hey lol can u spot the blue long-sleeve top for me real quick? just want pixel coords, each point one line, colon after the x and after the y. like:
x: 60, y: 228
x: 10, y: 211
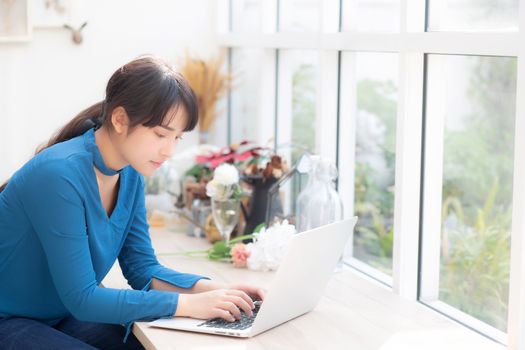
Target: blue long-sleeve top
x: 57, y: 242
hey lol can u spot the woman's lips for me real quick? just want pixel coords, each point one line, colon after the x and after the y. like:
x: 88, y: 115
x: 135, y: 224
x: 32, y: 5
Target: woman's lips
x: 156, y: 164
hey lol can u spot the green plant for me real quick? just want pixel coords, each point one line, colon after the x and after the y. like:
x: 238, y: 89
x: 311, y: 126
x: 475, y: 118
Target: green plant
x: 475, y: 259
x: 374, y: 207
x: 477, y: 192
x: 374, y: 202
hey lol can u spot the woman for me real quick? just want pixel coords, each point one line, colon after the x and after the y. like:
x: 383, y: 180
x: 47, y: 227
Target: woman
x: 78, y: 205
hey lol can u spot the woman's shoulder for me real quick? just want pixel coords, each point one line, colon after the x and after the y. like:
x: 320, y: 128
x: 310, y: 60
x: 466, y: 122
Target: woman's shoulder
x: 67, y: 159
x: 70, y: 150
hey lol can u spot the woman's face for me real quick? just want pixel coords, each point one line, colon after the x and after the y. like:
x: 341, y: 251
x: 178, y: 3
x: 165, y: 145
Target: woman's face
x: 145, y: 148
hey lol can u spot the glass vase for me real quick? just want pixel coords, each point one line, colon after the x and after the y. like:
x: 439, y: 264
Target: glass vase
x: 319, y: 203
x: 226, y: 216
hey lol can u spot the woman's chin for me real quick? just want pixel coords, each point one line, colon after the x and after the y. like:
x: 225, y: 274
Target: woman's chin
x: 145, y: 171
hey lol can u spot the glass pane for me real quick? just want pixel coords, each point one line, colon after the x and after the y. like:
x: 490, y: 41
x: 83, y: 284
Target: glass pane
x: 477, y: 98
x: 374, y: 76
x: 299, y: 15
x: 473, y: 15
x: 245, y: 95
x: 246, y: 16
x: 371, y: 15
x: 297, y: 113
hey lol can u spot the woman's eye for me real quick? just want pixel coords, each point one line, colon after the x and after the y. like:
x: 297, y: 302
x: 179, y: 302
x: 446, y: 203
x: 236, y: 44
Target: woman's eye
x: 178, y: 138
x: 159, y: 135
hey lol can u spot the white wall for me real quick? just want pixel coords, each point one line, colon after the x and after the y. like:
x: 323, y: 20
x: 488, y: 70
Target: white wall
x: 47, y: 81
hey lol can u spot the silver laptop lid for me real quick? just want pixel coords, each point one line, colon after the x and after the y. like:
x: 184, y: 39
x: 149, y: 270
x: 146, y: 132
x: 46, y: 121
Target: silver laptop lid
x: 304, y: 273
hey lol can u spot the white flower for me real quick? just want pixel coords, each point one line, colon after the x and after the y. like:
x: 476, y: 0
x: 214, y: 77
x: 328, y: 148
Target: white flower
x: 269, y: 247
x: 226, y: 174
x: 218, y: 191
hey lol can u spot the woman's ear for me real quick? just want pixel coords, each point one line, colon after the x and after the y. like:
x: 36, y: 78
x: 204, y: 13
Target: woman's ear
x: 120, y: 120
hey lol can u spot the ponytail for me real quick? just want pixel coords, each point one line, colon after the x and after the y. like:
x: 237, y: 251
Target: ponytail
x: 85, y: 120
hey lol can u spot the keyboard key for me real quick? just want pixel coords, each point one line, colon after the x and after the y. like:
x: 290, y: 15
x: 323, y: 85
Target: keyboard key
x: 243, y: 323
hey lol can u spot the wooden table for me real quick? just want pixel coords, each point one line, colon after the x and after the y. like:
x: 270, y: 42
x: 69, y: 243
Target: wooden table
x: 355, y: 313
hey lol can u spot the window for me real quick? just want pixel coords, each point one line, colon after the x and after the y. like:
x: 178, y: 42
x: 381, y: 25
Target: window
x: 296, y: 116
x: 468, y: 194
x: 369, y: 101
x: 244, y: 98
x: 246, y: 16
x: 473, y: 15
x: 370, y: 15
x: 418, y: 102
x: 299, y: 15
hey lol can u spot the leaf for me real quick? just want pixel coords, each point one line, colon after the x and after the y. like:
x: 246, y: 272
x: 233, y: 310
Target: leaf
x: 240, y: 239
x: 219, y: 250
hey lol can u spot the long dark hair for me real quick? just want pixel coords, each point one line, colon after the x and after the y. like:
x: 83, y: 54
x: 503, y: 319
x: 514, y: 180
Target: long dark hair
x: 147, y: 88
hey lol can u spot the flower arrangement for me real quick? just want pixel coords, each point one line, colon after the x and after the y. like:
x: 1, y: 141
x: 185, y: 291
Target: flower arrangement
x: 252, y: 161
x: 274, y: 167
x: 265, y: 253
x: 236, y: 153
x: 257, y: 168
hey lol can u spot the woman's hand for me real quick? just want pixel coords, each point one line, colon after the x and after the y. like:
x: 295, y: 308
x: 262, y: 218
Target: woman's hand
x: 223, y: 303
x: 203, y: 285
x: 256, y: 293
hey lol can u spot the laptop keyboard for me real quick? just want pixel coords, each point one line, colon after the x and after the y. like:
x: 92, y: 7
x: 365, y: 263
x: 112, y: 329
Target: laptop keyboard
x: 243, y: 323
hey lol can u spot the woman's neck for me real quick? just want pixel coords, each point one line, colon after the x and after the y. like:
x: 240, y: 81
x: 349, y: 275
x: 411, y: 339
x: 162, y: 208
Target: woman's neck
x: 108, y: 150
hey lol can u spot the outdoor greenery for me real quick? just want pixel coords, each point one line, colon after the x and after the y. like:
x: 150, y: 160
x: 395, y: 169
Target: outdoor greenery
x: 476, y: 191
x: 374, y: 200
x: 303, y: 110
x: 477, y: 195
x: 303, y: 121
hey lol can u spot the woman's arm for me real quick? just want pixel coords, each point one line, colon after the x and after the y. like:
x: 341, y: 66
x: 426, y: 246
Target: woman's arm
x: 198, y: 296
x: 54, y: 206
x: 207, y: 299
x: 203, y: 285
x: 200, y: 286
x: 137, y: 258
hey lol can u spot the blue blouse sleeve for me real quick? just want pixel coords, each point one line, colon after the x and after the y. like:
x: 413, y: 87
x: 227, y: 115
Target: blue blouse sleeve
x: 56, y: 211
x: 137, y: 258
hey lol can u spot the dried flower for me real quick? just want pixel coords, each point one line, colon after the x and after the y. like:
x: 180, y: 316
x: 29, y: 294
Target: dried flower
x: 274, y: 167
x: 209, y: 81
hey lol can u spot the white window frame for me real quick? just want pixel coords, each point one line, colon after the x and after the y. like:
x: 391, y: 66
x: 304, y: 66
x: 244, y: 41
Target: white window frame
x: 412, y: 43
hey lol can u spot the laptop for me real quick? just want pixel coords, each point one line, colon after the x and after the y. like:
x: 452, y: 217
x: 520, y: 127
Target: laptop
x: 299, y: 283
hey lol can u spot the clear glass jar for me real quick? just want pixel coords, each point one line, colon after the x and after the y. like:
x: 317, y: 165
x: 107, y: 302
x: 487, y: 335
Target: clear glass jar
x: 200, y: 209
x: 319, y: 203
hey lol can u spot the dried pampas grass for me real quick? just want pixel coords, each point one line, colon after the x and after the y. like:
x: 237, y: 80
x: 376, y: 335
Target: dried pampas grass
x: 209, y: 81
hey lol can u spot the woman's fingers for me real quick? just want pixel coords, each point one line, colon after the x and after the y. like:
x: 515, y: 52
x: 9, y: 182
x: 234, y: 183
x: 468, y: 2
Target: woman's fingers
x: 261, y: 293
x: 231, y: 308
x: 241, y: 303
x: 252, y: 291
x: 224, y: 314
x: 243, y: 295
